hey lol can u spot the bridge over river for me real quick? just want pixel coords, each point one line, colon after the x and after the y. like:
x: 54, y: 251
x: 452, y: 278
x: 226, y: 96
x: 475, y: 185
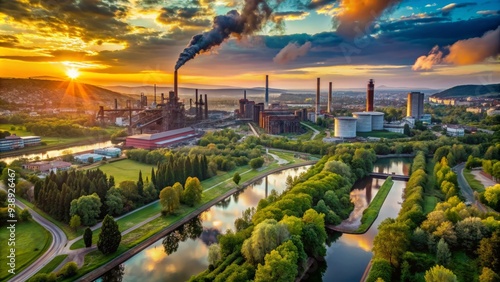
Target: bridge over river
x: 393, y: 175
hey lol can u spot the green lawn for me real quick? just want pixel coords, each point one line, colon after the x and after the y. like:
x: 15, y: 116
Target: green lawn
x: 127, y: 170
x: 19, y: 129
x: 381, y: 134
x: 430, y: 203
x: 49, y: 267
x: 475, y: 184
x: 287, y: 156
x: 32, y: 240
x: 371, y: 212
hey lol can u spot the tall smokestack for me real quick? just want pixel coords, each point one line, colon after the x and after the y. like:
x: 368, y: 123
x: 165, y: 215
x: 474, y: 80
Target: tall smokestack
x: 197, y: 104
x: 155, y: 93
x: 317, y: 97
x: 329, y: 108
x: 267, y: 91
x: 206, y: 107
x: 162, y: 98
x: 175, y: 84
x: 369, y: 96
x: 244, y: 94
x: 116, y: 104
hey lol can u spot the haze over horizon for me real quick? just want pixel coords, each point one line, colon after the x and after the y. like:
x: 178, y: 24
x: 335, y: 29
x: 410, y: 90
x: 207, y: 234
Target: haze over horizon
x: 407, y: 44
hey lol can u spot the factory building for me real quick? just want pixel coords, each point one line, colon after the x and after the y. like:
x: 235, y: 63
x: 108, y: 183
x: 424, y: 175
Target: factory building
x: 15, y: 142
x: 160, y: 140
x: 273, y: 118
x: 278, y: 122
x: 109, y: 152
x: 377, y: 120
x: 345, y: 127
x: 415, y: 105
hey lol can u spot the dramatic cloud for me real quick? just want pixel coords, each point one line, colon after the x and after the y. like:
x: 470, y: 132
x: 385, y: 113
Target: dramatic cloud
x: 291, y: 52
x: 488, y: 12
x: 315, y: 4
x: 254, y: 15
x: 446, y: 10
x: 356, y: 16
x: 463, y: 52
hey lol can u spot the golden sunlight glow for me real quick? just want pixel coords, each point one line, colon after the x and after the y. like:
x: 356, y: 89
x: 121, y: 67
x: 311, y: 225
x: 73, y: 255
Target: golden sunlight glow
x: 72, y: 73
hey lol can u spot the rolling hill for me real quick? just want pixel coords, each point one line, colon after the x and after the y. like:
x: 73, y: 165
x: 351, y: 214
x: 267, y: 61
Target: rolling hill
x: 56, y: 94
x: 469, y: 91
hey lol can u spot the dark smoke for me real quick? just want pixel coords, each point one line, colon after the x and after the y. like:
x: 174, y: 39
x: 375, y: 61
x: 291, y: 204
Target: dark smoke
x: 253, y: 17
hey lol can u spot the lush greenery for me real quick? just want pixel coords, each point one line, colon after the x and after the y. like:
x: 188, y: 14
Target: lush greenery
x: 447, y: 244
x: 296, y: 219
x: 110, y: 236
x: 371, y: 213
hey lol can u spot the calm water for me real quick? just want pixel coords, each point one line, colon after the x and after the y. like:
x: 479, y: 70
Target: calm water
x: 187, y: 248
x: 58, y: 153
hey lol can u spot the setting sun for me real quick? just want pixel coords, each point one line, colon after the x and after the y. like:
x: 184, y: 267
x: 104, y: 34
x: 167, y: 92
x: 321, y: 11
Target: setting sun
x: 72, y: 73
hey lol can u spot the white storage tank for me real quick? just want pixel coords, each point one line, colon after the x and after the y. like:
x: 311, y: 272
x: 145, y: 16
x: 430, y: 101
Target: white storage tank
x: 345, y: 127
x: 364, y: 123
x: 377, y: 121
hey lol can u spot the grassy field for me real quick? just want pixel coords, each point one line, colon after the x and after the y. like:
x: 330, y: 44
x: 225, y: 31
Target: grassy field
x: 430, y: 203
x: 381, y: 134
x: 127, y: 170
x: 32, y: 240
x: 49, y: 267
x: 70, y: 233
x: 371, y: 212
x: 475, y: 184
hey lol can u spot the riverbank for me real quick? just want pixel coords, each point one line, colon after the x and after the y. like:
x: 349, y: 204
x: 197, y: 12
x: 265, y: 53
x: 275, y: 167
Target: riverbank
x: 120, y: 258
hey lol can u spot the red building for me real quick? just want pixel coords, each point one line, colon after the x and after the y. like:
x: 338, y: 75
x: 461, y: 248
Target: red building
x: 160, y: 140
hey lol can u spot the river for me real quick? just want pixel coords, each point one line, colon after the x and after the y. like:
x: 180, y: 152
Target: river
x: 58, y: 153
x: 187, y: 248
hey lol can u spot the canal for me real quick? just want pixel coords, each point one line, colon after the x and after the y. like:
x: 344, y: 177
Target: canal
x: 184, y: 252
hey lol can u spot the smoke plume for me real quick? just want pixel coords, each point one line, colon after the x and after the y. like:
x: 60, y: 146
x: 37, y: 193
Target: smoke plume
x: 291, y: 52
x: 253, y: 17
x: 356, y: 16
x: 463, y: 52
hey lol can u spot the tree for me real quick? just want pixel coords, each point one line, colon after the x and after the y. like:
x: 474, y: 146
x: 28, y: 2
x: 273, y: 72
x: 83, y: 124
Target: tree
x: 114, y: 201
x: 214, y: 254
x: 236, y: 178
x: 443, y: 254
x: 75, y: 222
x: 492, y: 196
x: 266, y: 236
x: 313, y: 233
x: 280, y: 264
x: 488, y: 275
x: 391, y: 241
x: 87, y: 237
x: 178, y: 189
x: 68, y: 270
x: 110, y: 236
x: 439, y: 273
x: 469, y: 232
x: 192, y: 191
x: 169, y: 200
x: 87, y: 207
x: 256, y: 162
x: 406, y: 130
x: 489, y: 252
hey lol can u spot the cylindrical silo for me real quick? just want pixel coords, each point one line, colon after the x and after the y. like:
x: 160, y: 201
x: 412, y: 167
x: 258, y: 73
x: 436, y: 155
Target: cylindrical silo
x: 364, y: 123
x: 345, y: 127
x: 377, y: 121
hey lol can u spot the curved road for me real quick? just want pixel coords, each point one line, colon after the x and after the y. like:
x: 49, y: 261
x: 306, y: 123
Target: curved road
x: 316, y: 132
x: 58, y: 241
x: 465, y: 188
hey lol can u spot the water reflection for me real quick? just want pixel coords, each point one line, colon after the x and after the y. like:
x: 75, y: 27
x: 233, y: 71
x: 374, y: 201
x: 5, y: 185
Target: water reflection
x: 114, y: 275
x: 58, y: 153
x: 398, y: 166
x: 184, y: 252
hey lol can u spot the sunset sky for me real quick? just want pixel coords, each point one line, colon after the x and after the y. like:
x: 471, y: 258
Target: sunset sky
x: 132, y: 42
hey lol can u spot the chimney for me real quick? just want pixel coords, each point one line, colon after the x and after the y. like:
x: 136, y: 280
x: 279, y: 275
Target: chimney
x: 244, y: 94
x: 206, y: 107
x: 369, y: 96
x: 190, y: 103
x: 116, y: 104
x: 317, y: 97
x: 155, y: 93
x: 162, y: 98
x: 329, y: 109
x: 267, y: 91
x: 175, y: 84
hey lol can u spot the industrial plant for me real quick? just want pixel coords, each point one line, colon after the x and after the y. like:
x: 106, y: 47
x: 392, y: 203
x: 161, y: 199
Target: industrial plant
x: 368, y: 121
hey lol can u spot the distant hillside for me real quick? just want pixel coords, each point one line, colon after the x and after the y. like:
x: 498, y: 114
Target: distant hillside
x: 56, y: 94
x: 469, y: 90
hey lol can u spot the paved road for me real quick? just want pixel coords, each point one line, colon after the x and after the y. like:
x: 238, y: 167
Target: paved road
x: 58, y: 241
x: 316, y: 132
x: 465, y: 188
